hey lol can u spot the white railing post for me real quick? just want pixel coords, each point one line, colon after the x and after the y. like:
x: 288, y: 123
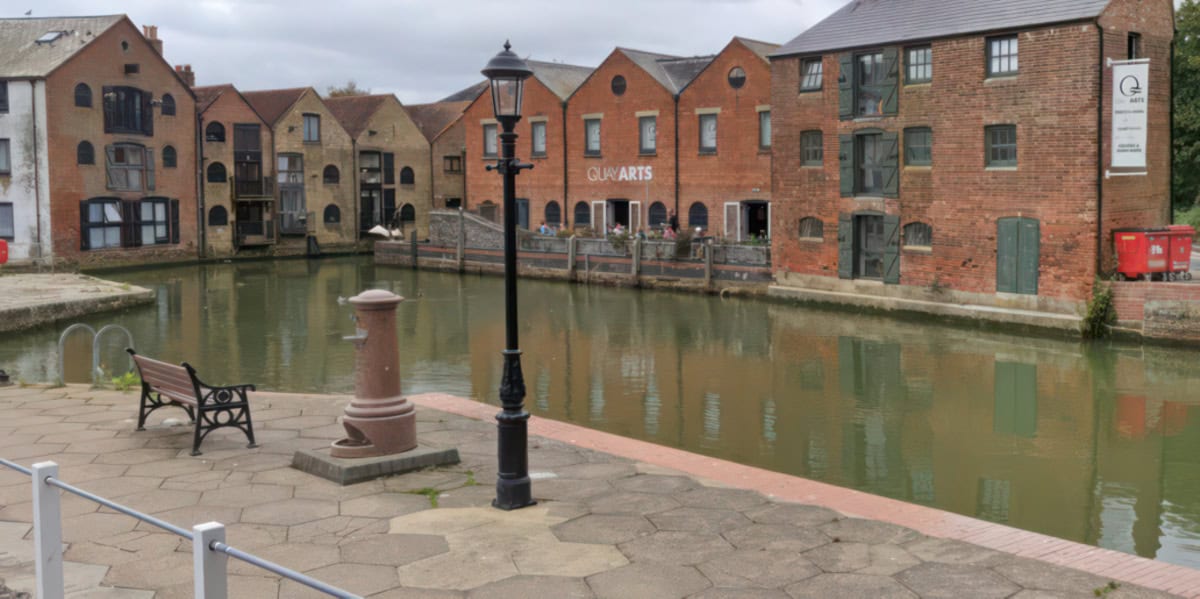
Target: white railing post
x: 208, y: 565
x: 47, y: 532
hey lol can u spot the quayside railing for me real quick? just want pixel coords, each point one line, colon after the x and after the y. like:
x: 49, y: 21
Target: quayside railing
x: 210, y: 552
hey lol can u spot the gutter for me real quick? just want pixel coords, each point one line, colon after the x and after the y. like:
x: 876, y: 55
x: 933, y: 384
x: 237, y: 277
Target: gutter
x: 1171, y: 134
x: 568, y: 209
x: 1100, y: 154
x: 203, y: 235
x: 677, y: 215
x: 37, y: 187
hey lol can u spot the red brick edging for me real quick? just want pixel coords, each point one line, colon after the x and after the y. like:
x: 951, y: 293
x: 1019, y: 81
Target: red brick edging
x: 1107, y: 563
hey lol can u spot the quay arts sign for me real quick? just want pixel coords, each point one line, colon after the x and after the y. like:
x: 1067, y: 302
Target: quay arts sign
x: 1130, y: 95
x: 597, y: 174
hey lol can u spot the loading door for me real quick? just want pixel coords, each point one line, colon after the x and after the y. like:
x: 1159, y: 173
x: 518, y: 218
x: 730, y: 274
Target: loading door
x: 1018, y: 248
x: 733, y: 221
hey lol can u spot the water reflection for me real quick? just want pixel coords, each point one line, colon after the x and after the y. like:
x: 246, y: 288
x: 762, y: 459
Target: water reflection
x: 1092, y: 444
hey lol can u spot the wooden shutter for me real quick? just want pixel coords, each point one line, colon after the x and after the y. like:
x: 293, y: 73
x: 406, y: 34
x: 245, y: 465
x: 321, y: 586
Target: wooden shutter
x: 389, y: 168
x: 1029, y: 244
x: 845, y: 246
x: 846, y: 86
x: 83, y: 225
x: 891, y: 83
x: 891, y: 164
x: 148, y: 161
x: 846, y: 165
x: 147, y: 114
x: 1006, y: 255
x: 891, y: 249
x: 110, y: 154
x: 175, y: 221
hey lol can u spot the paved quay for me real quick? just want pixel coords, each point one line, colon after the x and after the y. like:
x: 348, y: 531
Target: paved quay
x: 28, y: 300
x: 616, y: 517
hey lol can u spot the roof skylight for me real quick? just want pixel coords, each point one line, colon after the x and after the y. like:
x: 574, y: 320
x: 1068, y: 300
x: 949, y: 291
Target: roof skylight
x: 50, y: 37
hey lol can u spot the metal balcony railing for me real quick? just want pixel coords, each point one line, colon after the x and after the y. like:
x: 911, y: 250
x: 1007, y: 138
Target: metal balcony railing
x: 263, y: 187
x: 260, y: 232
x: 295, y: 223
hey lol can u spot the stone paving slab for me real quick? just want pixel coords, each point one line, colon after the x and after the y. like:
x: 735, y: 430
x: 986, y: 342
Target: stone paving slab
x: 33, y: 299
x: 605, y: 526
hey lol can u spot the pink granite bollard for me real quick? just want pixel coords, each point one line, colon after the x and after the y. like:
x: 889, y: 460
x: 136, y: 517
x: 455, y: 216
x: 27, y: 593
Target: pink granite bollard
x: 378, y: 421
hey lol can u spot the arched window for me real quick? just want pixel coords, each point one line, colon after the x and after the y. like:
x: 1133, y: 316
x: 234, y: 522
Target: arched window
x: 83, y: 96
x: 553, y: 214
x: 698, y: 216
x: 812, y: 228
x: 169, y: 158
x: 216, y: 173
x: 583, y: 215
x: 85, y: 153
x: 333, y: 215
x: 408, y: 214
x: 331, y: 175
x: 214, y: 132
x: 168, y: 105
x: 407, y: 177
x: 658, y: 215
x: 218, y: 217
x: 918, y: 235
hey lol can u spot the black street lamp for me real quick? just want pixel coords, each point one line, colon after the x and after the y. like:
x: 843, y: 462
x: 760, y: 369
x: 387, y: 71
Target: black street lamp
x: 507, y: 73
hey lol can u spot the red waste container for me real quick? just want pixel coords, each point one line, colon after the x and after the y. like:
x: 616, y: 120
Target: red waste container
x: 3, y: 251
x: 1181, y: 251
x: 1141, y: 253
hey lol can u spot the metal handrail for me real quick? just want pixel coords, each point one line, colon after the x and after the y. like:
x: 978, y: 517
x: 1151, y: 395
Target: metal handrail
x: 270, y: 566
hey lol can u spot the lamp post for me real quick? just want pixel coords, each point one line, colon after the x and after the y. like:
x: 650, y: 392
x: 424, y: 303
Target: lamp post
x: 507, y: 73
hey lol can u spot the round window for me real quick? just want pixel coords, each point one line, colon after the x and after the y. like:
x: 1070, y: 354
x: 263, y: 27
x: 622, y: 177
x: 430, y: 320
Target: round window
x: 737, y: 77
x: 618, y: 85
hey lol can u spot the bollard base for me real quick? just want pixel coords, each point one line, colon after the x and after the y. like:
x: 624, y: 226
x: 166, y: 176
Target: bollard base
x: 347, y: 471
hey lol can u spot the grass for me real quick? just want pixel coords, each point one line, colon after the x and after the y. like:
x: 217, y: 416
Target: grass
x: 1106, y: 589
x: 429, y: 492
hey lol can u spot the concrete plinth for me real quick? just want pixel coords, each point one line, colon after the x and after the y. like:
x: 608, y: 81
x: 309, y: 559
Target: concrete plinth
x: 347, y: 471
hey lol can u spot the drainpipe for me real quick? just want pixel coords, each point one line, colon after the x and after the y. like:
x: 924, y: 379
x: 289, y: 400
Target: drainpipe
x: 1171, y: 135
x: 37, y: 187
x: 357, y: 207
x: 568, y: 207
x: 203, y: 234
x: 1100, y: 156
x: 677, y: 215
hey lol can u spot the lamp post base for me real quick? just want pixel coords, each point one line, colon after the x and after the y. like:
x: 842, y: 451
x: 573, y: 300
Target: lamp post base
x: 513, y: 494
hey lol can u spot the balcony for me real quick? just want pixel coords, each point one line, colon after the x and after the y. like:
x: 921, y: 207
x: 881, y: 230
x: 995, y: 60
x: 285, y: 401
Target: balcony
x: 255, y: 233
x: 263, y: 187
x: 296, y: 223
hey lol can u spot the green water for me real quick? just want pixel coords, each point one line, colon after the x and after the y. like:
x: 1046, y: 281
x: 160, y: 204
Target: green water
x: 1089, y: 443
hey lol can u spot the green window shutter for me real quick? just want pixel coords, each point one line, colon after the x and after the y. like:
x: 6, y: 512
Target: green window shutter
x: 83, y: 225
x: 891, y: 82
x: 149, y: 161
x: 174, y: 221
x: 845, y: 246
x: 846, y: 165
x: 891, y: 249
x: 1027, y: 256
x: 846, y: 86
x: 1006, y: 255
x: 891, y: 164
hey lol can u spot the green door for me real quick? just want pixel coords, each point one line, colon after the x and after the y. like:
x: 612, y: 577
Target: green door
x: 1018, y: 246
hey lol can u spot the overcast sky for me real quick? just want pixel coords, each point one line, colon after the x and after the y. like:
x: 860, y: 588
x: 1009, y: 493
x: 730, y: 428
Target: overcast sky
x: 423, y: 50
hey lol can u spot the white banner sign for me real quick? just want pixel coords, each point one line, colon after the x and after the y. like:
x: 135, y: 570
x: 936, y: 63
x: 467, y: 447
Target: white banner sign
x: 1130, y: 102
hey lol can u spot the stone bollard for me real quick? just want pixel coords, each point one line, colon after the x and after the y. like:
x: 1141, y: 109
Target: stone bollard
x: 378, y: 421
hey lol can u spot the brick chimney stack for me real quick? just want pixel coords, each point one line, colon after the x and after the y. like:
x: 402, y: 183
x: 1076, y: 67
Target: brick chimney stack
x: 151, y: 33
x: 185, y: 72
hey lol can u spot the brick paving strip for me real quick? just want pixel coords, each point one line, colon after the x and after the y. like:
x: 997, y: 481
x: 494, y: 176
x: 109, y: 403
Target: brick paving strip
x: 616, y: 518
x: 29, y: 300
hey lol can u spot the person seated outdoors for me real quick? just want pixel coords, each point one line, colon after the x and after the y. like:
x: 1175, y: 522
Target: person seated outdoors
x: 641, y: 234
x: 618, y: 229
x: 669, y: 233
x: 544, y: 230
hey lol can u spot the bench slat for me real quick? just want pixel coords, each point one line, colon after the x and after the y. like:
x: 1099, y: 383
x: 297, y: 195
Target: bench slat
x: 167, y: 379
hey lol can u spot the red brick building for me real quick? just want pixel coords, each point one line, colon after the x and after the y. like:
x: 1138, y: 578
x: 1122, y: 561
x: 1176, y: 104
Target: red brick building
x: 541, y: 136
x: 962, y: 155
x: 442, y: 125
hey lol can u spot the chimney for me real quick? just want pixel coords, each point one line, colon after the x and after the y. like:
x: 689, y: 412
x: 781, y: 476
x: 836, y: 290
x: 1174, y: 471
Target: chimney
x: 185, y: 72
x: 151, y: 33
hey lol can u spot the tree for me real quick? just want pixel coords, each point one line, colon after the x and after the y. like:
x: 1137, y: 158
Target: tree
x: 1187, y: 105
x: 350, y: 89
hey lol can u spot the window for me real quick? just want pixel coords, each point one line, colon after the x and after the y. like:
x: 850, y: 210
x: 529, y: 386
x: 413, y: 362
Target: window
x: 870, y: 79
x: 737, y: 77
x: 647, y: 134
x: 1001, y: 142
x: 812, y: 228
x: 291, y: 169
x: 3, y: 96
x: 1135, y: 46
x: 5, y: 158
x: 83, y: 96
x: 919, y: 235
x: 127, y: 110
x: 100, y: 223
x: 452, y: 164
x: 489, y: 141
x: 214, y: 132
x: 169, y: 157
x: 810, y: 75
x: 538, y: 130
x: 708, y: 133
x: 553, y: 214
x: 868, y: 83
x: 312, y: 128
x: 331, y: 175
x: 153, y: 213
x: 218, y: 217
x: 168, y: 105
x: 1002, y: 56
x: 216, y: 173
x: 407, y: 177
x: 812, y: 148
x: 698, y: 216
x: 50, y: 37
x: 764, y: 130
x: 130, y: 167
x: 918, y: 65
x: 454, y: 203
x: 583, y: 215
x: 658, y: 215
x: 870, y: 160
x: 591, y: 134
x: 8, y: 229
x: 869, y: 164
x: 918, y: 146
x: 618, y: 85
x: 333, y: 215
x: 85, y: 153
x: 370, y: 171
x: 132, y: 68
x: 408, y: 214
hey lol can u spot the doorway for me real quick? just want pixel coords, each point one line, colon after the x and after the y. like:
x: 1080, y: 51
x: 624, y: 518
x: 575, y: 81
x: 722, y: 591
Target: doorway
x: 523, y: 213
x: 868, y: 251
x: 748, y: 219
x: 1018, y: 249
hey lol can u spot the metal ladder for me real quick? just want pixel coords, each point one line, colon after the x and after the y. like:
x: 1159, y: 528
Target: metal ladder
x: 96, y: 336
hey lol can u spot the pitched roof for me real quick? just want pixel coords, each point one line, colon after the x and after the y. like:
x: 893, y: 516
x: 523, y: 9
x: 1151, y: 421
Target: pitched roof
x: 467, y: 95
x: 763, y: 49
x: 21, y: 55
x: 206, y: 95
x: 673, y: 72
x: 433, y: 118
x: 272, y: 103
x: 873, y: 22
x: 562, y: 79
x: 354, y: 112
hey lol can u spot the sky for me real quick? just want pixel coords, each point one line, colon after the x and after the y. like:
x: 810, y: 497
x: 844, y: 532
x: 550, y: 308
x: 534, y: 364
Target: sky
x: 424, y: 50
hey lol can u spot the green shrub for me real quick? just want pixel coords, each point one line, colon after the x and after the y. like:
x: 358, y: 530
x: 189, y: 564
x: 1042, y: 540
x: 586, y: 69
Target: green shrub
x: 1188, y: 217
x: 126, y: 381
x: 1101, y: 314
x: 683, y: 243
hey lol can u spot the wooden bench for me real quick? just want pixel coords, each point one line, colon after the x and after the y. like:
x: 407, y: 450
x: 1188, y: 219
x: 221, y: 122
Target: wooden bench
x: 208, y: 407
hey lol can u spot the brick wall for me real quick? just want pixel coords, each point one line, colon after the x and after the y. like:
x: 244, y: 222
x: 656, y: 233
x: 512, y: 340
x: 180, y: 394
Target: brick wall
x: 228, y: 109
x: 1131, y: 297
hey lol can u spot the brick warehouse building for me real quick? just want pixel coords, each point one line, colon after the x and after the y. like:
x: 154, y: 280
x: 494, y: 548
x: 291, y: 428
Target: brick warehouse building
x: 97, y: 144
x: 441, y: 124
x: 541, y: 192
x: 958, y: 149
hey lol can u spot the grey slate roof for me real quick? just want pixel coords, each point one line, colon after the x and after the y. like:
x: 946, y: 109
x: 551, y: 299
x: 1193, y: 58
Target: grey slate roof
x: 673, y: 72
x: 467, y: 95
x: 763, y: 49
x: 873, y: 22
x: 562, y: 79
x: 22, y: 56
